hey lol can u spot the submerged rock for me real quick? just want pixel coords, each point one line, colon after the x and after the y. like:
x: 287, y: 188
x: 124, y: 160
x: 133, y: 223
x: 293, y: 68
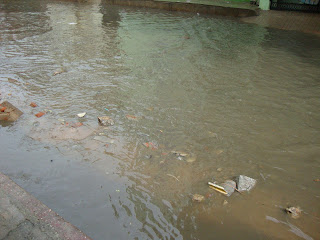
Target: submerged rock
x: 245, y: 183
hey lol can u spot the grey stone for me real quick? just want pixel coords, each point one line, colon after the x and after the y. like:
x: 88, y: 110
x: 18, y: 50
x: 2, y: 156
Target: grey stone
x: 245, y: 183
x: 229, y: 186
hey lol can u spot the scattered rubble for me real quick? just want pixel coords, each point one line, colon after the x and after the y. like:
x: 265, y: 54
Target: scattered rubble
x: 11, y: 80
x: 226, y: 188
x: 245, y: 183
x: 197, y: 198
x: 191, y: 159
x: 59, y: 71
x: 105, y: 121
x: 180, y: 154
x: 218, y: 188
x: 295, y: 212
x: 229, y: 186
x: 39, y: 114
x: 150, y: 145
x: 132, y: 117
x: 33, y: 104
x: 8, y: 112
x: 80, y: 115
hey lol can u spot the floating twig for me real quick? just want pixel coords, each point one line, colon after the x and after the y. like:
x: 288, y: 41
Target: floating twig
x: 170, y: 175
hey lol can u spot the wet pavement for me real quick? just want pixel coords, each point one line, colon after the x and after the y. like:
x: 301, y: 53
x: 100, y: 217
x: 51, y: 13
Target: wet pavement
x: 24, y: 217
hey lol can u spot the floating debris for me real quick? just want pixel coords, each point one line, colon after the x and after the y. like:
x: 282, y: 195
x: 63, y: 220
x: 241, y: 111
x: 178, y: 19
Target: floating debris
x: 8, y: 112
x: 197, y: 198
x: 39, y: 114
x: 245, y: 183
x: 33, y: 104
x: 219, y: 169
x: 170, y: 175
x: 105, y: 121
x: 229, y: 186
x: 191, y: 159
x: 180, y: 154
x: 226, y: 188
x: 295, y: 212
x: 11, y: 80
x: 80, y: 115
x: 48, y: 111
x: 217, y: 188
x: 225, y: 202
x: 218, y: 152
x: 317, y: 180
x: 76, y: 125
x: 36, y: 124
x: 150, y: 145
x: 57, y: 72
x: 131, y: 117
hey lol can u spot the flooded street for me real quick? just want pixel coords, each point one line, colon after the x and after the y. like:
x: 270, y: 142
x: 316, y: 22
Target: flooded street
x: 236, y: 98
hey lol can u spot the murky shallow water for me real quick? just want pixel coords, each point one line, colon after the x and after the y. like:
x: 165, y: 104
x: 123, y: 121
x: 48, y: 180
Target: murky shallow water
x: 234, y: 96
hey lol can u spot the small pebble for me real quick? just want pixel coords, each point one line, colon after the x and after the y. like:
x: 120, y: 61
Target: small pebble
x: 36, y: 124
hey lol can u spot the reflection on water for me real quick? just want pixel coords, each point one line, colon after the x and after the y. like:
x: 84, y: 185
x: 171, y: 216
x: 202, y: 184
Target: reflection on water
x: 235, y: 97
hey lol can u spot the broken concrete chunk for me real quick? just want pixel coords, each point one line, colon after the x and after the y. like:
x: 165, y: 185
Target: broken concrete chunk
x: 229, y: 186
x: 10, y: 113
x: 245, y: 183
x: 105, y: 121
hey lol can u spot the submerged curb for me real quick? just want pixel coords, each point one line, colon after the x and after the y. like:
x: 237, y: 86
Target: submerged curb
x: 188, y: 7
x: 23, y: 214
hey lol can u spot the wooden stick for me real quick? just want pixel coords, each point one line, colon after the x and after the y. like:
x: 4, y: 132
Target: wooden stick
x: 173, y: 177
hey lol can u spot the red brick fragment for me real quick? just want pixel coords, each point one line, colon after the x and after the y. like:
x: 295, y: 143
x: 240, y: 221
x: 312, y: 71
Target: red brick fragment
x: 33, y: 104
x: 40, y: 114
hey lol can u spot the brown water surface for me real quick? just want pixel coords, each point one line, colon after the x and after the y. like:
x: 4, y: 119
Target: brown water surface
x: 236, y: 97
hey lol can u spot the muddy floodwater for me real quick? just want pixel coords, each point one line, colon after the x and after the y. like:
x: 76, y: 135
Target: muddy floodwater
x: 231, y: 98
